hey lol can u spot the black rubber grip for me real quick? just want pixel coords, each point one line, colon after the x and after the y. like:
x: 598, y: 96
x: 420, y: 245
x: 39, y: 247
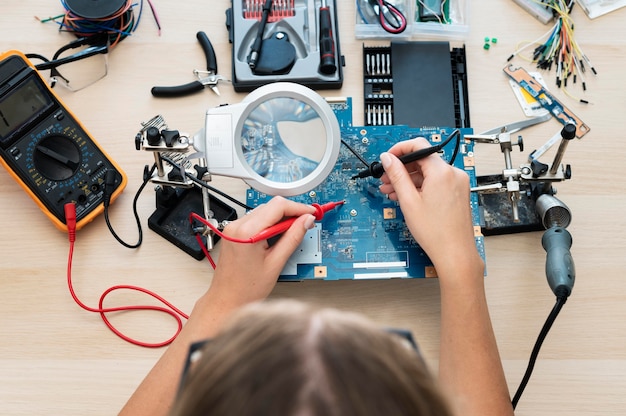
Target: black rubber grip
x: 211, y: 60
x: 177, y: 91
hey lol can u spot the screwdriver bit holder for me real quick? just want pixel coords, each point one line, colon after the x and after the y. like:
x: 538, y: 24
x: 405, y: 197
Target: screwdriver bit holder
x: 398, y: 79
x: 295, y: 33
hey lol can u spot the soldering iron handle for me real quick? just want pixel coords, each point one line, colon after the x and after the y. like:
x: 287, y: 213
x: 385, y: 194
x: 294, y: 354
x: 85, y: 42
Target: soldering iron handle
x: 559, y: 262
x: 177, y: 91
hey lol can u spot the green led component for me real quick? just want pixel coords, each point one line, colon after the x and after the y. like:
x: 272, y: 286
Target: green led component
x: 486, y: 46
x: 494, y: 40
x: 487, y: 38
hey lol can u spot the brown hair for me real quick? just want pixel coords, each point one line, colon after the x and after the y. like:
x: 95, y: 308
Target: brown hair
x: 290, y: 358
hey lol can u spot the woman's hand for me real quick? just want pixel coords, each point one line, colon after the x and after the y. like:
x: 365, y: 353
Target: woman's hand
x: 248, y: 272
x: 245, y: 273
x: 434, y: 198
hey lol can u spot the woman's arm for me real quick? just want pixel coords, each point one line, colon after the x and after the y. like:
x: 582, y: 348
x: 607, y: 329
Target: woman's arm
x: 434, y: 198
x: 245, y: 273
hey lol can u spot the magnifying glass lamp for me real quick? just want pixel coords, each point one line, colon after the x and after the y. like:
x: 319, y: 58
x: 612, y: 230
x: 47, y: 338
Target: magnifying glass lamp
x: 282, y: 139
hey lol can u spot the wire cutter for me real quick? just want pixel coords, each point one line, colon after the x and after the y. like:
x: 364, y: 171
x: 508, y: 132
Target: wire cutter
x: 208, y: 78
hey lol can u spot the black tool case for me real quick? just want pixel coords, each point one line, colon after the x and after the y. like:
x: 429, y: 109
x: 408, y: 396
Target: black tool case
x: 292, y: 21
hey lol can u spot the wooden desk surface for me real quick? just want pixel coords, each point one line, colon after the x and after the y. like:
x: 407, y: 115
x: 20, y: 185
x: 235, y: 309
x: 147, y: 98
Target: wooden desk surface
x: 56, y: 358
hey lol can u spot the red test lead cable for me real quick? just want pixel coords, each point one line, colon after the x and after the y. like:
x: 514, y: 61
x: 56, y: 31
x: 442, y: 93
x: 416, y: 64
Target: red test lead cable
x: 177, y: 314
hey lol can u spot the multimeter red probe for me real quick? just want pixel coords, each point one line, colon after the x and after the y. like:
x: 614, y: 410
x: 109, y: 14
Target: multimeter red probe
x: 273, y: 230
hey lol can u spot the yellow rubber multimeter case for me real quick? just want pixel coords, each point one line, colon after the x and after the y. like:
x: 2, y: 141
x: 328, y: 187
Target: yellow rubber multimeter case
x: 47, y: 150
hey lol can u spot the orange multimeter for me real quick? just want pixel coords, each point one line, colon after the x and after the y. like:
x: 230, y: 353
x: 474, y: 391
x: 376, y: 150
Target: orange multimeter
x: 47, y: 150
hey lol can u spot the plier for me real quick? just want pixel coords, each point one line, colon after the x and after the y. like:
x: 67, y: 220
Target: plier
x: 208, y: 78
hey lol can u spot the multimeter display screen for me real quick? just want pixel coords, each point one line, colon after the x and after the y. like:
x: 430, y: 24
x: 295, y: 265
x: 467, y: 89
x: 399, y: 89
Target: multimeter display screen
x: 20, y: 106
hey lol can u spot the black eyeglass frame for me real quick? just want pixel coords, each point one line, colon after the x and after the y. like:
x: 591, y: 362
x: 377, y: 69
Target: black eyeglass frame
x: 97, y: 45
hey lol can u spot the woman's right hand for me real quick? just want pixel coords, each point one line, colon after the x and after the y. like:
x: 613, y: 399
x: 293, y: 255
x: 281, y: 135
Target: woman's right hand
x: 435, y: 200
x: 248, y: 272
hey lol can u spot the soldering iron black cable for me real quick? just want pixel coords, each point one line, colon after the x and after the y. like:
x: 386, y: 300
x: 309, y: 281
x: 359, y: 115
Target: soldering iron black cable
x: 560, y: 301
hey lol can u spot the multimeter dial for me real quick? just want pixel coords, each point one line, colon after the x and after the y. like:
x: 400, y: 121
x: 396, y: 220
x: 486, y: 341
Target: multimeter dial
x: 56, y: 158
x: 59, y: 161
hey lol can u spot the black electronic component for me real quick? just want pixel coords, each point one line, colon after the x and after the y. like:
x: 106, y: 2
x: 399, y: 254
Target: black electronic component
x: 46, y: 149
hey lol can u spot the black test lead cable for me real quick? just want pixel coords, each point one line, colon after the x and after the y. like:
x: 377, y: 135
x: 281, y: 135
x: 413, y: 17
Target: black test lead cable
x: 204, y: 184
x: 355, y: 153
x: 109, y: 186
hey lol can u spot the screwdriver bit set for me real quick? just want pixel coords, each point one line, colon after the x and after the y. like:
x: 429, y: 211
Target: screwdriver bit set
x: 378, y: 86
x: 284, y: 40
x: 400, y: 78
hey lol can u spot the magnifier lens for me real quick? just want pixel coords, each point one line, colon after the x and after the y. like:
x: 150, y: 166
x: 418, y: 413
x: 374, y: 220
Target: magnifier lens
x: 283, y: 139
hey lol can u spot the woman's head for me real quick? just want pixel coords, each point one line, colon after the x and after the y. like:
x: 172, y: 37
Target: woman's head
x: 290, y: 358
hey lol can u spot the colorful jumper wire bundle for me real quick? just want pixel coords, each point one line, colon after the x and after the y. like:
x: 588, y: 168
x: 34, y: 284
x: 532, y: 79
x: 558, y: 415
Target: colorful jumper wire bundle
x: 559, y: 49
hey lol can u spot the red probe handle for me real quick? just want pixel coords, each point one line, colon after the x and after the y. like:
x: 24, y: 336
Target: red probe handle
x: 284, y: 225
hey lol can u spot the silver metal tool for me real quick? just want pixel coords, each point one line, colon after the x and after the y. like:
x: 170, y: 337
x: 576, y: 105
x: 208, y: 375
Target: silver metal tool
x: 529, y: 180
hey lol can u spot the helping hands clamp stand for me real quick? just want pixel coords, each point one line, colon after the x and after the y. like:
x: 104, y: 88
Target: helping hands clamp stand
x: 181, y: 189
x: 518, y: 188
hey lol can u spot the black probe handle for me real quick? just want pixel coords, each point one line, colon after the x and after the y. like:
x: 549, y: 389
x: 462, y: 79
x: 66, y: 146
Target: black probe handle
x: 209, y: 52
x: 178, y: 90
x: 376, y: 168
x: 327, y: 43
